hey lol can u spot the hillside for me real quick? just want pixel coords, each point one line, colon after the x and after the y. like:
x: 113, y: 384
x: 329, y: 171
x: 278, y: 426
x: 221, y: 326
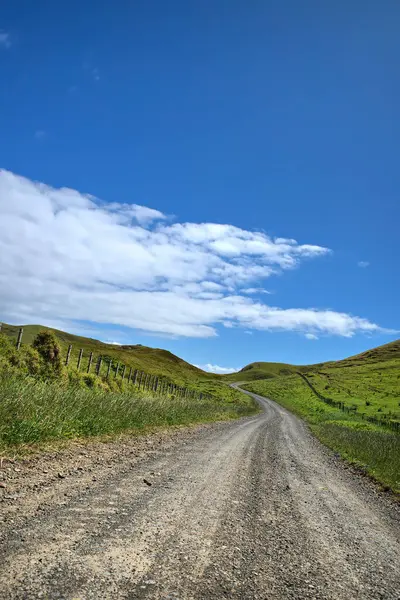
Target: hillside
x: 44, y: 396
x: 261, y: 370
x: 266, y: 370
x: 154, y: 361
x: 352, y: 405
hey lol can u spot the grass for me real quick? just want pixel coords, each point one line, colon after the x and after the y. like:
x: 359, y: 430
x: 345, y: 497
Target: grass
x: 41, y: 400
x: 80, y: 405
x: 34, y: 411
x: 261, y: 370
x: 154, y: 361
x: 372, y: 388
x: 367, y: 445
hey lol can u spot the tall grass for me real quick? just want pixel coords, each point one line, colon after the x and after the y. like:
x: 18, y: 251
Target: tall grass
x: 376, y: 451
x: 34, y: 411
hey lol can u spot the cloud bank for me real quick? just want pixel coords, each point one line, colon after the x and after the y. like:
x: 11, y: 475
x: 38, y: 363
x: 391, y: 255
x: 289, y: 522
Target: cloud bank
x: 68, y: 256
x: 216, y: 369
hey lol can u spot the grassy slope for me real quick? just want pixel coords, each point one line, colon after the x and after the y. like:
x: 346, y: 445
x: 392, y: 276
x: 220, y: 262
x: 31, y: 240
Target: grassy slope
x: 370, y: 381
x: 34, y: 411
x: 150, y: 360
x: 154, y: 361
x: 261, y: 370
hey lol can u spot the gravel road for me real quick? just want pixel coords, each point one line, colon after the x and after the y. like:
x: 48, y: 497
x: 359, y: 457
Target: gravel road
x: 251, y: 509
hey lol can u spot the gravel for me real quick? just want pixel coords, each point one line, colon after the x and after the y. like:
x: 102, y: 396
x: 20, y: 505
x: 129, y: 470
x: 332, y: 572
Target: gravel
x: 251, y: 509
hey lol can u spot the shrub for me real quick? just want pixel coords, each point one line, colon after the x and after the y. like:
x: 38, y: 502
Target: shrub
x: 26, y: 360
x: 49, y: 350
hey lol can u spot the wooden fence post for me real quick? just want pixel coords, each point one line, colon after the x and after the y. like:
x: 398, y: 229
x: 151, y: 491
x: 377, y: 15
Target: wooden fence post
x: 68, y: 355
x: 79, y: 359
x: 98, y: 366
x: 19, y: 339
x: 155, y: 385
x: 90, y: 362
x: 130, y: 373
x: 123, y: 372
x: 140, y: 379
x: 135, y: 374
x: 116, y: 370
x: 109, y: 368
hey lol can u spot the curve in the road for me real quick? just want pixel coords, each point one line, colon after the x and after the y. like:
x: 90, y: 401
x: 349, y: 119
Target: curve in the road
x: 251, y: 509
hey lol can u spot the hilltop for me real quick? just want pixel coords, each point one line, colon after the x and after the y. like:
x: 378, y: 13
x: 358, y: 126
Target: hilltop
x: 266, y: 370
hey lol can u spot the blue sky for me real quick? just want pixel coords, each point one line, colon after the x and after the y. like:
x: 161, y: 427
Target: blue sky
x: 277, y: 121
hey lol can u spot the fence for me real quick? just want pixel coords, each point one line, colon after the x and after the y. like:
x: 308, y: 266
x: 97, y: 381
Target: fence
x: 384, y: 422
x: 106, y: 367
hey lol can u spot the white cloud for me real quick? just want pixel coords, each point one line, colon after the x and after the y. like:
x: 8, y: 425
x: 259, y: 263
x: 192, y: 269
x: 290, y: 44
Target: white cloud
x: 70, y: 257
x: 216, y: 369
x: 5, y: 39
x: 311, y: 336
x: 254, y: 290
x: 363, y: 264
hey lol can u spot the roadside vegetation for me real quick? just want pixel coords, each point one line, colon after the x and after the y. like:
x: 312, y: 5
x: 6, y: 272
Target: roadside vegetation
x: 374, y: 448
x: 42, y: 400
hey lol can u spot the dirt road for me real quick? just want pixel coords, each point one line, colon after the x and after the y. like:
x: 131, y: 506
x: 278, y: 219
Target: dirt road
x: 253, y: 509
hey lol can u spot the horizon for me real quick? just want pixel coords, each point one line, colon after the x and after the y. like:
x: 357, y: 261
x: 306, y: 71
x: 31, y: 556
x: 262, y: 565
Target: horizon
x: 222, y: 182
x: 201, y: 367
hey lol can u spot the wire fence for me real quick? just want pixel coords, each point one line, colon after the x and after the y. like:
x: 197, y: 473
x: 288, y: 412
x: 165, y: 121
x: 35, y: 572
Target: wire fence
x: 384, y: 421
x: 106, y: 367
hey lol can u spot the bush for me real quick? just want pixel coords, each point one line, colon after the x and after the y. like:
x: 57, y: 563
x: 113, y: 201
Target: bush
x: 49, y: 350
x: 26, y: 360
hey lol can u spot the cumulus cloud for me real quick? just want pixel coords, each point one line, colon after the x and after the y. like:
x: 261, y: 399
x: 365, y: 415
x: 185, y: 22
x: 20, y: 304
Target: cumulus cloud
x: 216, y: 369
x: 5, y: 39
x: 68, y: 256
x: 363, y: 264
x: 311, y: 336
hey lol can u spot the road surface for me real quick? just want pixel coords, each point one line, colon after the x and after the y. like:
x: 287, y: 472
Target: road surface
x: 251, y: 509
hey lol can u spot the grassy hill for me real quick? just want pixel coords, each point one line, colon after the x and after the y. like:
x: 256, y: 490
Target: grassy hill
x: 261, y: 370
x: 367, y: 383
x: 154, y: 361
x: 42, y: 399
x: 367, y: 386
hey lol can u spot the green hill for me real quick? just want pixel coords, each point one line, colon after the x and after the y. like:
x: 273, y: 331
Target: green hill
x: 261, y: 370
x: 266, y: 370
x: 154, y: 361
x: 352, y: 405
